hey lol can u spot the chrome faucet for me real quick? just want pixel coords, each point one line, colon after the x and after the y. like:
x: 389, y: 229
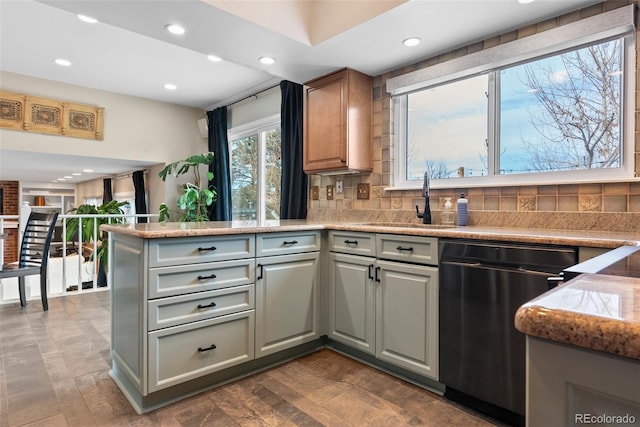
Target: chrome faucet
x: 426, y: 215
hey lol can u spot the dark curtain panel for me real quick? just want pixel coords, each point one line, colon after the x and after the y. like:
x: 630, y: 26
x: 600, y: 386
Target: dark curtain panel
x: 293, y: 199
x: 219, y: 144
x: 107, y: 192
x: 140, y: 201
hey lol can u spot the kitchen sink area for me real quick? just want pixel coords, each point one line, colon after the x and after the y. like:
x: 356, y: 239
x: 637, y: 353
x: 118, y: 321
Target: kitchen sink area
x: 407, y: 225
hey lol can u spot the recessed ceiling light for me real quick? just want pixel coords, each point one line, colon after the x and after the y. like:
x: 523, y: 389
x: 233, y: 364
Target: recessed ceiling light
x: 61, y: 179
x: 87, y: 19
x: 175, y: 29
x: 76, y: 174
x: 63, y: 62
x: 267, y: 60
x: 214, y: 58
x: 87, y: 170
x: 68, y: 177
x: 170, y: 86
x: 411, y: 41
x: 525, y: 1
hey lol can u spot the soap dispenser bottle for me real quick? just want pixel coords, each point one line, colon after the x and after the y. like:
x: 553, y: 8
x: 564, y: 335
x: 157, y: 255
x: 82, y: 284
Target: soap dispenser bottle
x: 447, y: 212
x: 462, y: 210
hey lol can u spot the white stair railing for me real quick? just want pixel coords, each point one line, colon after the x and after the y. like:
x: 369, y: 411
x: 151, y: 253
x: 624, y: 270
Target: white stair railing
x: 71, y: 266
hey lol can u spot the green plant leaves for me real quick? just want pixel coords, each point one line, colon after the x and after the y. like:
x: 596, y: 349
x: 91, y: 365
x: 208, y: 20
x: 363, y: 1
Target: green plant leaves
x: 194, y: 201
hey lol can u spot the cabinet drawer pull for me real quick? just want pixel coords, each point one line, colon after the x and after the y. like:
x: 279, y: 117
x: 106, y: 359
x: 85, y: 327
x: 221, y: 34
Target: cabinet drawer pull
x: 203, y: 349
x: 212, y: 304
x: 351, y: 242
x: 210, y: 248
x: 401, y: 249
x: 261, y: 271
x: 293, y: 242
x: 213, y: 276
x: 371, y: 271
x: 378, y: 275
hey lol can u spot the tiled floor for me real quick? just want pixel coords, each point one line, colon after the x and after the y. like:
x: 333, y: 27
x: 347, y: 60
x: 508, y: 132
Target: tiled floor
x: 54, y: 372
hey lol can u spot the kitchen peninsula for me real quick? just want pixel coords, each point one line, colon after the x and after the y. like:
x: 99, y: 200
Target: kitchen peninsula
x: 195, y: 305
x: 583, y: 350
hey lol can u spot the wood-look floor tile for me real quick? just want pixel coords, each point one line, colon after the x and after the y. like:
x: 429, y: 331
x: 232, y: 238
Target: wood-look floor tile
x: 4, y: 402
x: 30, y: 394
x: 54, y: 372
x: 57, y: 420
x: 246, y: 407
x: 70, y: 400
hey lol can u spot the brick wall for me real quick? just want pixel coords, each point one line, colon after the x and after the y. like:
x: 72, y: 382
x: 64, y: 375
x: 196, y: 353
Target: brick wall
x: 10, y: 206
x: 619, y: 198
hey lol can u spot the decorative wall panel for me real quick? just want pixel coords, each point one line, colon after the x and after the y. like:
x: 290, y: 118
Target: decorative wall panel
x: 11, y: 110
x: 43, y: 115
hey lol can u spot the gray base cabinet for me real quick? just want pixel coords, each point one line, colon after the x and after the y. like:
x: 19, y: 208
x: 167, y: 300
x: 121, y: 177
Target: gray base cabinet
x: 287, y: 291
x: 407, y: 316
x: 187, y: 311
x: 352, y: 317
x: 585, y: 386
x: 386, y: 308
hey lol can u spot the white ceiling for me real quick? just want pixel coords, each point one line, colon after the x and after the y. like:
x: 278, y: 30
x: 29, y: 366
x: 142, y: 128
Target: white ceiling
x: 129, y: 51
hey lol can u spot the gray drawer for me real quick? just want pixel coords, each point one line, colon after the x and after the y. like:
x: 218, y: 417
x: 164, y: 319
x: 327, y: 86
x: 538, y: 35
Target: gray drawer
x: 186, y: 352
x: 350, y: 242
x: 268, y: 244
x: 173, y: 311
x: 179, y: 280
x: 416, y: 249
x: 191, y: 250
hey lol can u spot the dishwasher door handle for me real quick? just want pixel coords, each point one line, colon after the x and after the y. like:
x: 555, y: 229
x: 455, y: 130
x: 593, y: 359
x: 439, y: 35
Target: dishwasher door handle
x: 554, y: 281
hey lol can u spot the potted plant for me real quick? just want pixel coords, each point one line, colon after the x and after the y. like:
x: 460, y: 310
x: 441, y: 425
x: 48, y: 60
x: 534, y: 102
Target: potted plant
x: 194, y: 202
x: 112, y: 207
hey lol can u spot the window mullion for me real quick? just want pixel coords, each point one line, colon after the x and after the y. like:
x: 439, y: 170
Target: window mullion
x: 262, y: 176
x: 493, y: 124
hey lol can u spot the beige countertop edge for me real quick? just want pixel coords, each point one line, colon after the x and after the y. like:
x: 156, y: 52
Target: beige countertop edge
x: 550, y: 316
x: 597, y: 239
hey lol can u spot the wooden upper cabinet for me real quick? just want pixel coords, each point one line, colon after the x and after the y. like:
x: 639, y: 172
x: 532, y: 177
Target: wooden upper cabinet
x: 337, y: 123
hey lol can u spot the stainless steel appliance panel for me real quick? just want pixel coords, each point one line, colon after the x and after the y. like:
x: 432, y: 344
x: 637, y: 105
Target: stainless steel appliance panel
x: 481, y: 287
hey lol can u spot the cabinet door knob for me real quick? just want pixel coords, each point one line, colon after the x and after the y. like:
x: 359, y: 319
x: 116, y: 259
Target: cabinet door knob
x: 210, y: 248
x: 212, y: 304
x: 212, y: 276
x: 203, y: 349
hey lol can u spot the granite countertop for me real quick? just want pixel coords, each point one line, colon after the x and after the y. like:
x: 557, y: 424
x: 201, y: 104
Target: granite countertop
x: 596, y: 239
x: 595, y: 311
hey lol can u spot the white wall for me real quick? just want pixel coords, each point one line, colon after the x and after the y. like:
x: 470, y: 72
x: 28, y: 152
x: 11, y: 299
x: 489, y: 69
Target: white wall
x: 134, y: 129
x: 257, y: 107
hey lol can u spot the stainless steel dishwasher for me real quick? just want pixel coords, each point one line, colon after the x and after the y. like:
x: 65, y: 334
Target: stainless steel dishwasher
x: 482, y: 284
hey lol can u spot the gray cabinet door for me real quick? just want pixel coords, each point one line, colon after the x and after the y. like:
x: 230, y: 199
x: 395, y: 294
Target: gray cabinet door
x: 352, y: 301
x: 407, y: 316
x: 287, y: 311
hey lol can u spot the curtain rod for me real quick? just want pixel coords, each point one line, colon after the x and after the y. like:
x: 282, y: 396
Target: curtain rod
x: 128, y: 174
x: 255, y: 94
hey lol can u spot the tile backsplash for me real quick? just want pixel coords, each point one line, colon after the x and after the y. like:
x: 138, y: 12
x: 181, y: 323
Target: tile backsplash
x: 607, y: 206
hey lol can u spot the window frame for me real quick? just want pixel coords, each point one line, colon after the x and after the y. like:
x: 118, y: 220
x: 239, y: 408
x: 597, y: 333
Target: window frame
x: 601, y: 28
x: 258, y: 127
